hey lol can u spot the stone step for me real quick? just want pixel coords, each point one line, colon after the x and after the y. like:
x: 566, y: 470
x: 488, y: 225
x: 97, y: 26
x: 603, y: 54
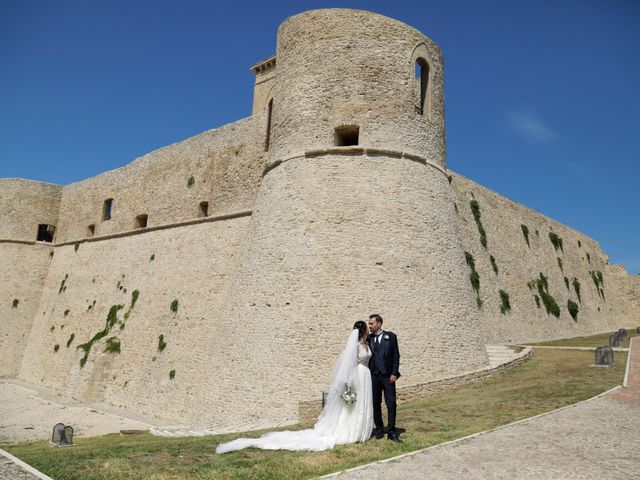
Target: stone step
x: 499, y: 354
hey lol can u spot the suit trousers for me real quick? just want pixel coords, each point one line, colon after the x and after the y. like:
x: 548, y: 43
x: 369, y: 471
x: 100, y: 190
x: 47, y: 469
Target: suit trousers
x: 379, y: 384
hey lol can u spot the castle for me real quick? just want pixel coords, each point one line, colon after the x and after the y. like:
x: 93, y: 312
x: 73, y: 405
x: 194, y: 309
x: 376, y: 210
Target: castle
x: 215, y: 280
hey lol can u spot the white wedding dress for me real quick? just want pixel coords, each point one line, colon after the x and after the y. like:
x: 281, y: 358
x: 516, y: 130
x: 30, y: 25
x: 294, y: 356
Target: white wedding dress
x: 338, y: 422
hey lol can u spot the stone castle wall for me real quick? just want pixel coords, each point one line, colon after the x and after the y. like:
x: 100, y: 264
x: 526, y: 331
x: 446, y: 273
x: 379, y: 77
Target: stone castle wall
x: 301, y: 239
x: 181, y: 255
x: 519, y: 264
x: 225, y: 164
x: 24, y: 263
x: 191, y: 264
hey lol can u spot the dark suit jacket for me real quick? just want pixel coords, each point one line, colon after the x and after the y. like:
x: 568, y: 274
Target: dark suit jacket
x: 391, y: 353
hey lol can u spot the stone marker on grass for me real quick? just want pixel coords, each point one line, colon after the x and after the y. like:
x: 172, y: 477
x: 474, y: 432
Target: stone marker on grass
x: 62, y: 435
x: 604, y: 355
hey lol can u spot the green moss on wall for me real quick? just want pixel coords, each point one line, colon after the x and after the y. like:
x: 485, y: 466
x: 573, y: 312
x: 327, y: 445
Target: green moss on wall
x: 494, y: 265
x: 525, y: 232
x: 576, y: 287
x: 111, y: 320
x: 505, y: 306
x: 573, y: 309
x: 550, y: 304
x: 161, y: 343
x: 556, y: 241
x: 62, y: 284
x: 475, y: 210
x: 113, y: 345
x: 598, y: 281
x: 474, y: 276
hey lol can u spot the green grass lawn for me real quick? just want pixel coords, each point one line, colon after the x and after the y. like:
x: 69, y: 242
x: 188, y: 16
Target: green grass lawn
x: 592, y: 341
x: 552, y: 379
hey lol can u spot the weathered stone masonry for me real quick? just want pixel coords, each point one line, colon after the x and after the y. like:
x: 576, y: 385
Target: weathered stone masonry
x: 267, y: 238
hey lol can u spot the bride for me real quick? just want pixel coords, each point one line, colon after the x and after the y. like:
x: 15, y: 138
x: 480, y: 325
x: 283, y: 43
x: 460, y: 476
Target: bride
x: 339, y: 422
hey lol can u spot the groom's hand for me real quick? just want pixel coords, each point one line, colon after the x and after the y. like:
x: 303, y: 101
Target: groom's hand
x: 392, y: 379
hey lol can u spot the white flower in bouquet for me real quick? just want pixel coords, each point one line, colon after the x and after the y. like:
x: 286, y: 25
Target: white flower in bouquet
x: 349, y: 396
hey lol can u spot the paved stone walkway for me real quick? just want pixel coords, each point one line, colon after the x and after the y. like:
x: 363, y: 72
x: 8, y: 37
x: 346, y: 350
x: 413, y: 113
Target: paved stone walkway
x: 598, y: 439
x: 595, y: 440
x: 631, y: 394
x: 11, y: 471
x: 29, y: 412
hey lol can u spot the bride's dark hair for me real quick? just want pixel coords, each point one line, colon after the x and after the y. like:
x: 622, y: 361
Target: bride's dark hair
x: 361, y: 327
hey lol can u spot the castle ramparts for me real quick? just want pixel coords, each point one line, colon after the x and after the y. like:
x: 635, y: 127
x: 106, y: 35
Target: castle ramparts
x: 213, y: 281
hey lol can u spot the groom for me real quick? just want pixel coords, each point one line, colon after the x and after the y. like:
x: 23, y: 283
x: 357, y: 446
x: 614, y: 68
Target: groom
x: 384, y: 365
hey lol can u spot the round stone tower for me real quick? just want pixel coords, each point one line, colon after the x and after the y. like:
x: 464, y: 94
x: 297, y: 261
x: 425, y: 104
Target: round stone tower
x: 355, y: 216
x: 348, y: 68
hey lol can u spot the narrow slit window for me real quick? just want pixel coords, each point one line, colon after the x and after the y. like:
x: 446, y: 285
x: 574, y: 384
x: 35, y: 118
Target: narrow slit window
x: 91, y: 230
x: 267, y: 142
x: 347, y: 135
x: 141, y: 220
x: 422, y: 81
x: 204, y: 209
x: 45, y: 232
x: 107, y: 209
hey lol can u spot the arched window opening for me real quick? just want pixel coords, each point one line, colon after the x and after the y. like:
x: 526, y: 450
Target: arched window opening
x: 269, y: 114
x: 422, y: 81
x: 107, y: 209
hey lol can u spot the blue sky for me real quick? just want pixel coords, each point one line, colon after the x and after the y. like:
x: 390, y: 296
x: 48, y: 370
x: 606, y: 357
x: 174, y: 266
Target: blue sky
x: 542, y: 97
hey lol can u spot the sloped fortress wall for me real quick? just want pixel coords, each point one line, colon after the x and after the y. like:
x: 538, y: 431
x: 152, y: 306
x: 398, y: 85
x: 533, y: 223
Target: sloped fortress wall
x: 520, y: 252
x: 24, y: 262
x: 132, y: 275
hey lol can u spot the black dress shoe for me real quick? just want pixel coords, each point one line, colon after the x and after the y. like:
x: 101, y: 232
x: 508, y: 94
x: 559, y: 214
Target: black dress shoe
x: 379, y: 435
x: 394, y: 438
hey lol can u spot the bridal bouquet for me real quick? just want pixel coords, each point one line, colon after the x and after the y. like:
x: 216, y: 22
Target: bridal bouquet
x: 349, y: 396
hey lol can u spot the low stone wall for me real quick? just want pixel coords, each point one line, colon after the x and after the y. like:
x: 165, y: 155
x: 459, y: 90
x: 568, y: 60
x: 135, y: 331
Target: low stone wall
x: 421, y: 390
x: 308, y: 411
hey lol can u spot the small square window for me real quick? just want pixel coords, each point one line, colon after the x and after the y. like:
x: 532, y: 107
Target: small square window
x: 347, y: 135
x: 45, y: 232
x: 141, y: 220
x: 204, y: 209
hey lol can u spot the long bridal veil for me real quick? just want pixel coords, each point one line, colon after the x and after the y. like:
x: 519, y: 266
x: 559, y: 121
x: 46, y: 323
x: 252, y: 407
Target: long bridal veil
x: 328, y: 430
